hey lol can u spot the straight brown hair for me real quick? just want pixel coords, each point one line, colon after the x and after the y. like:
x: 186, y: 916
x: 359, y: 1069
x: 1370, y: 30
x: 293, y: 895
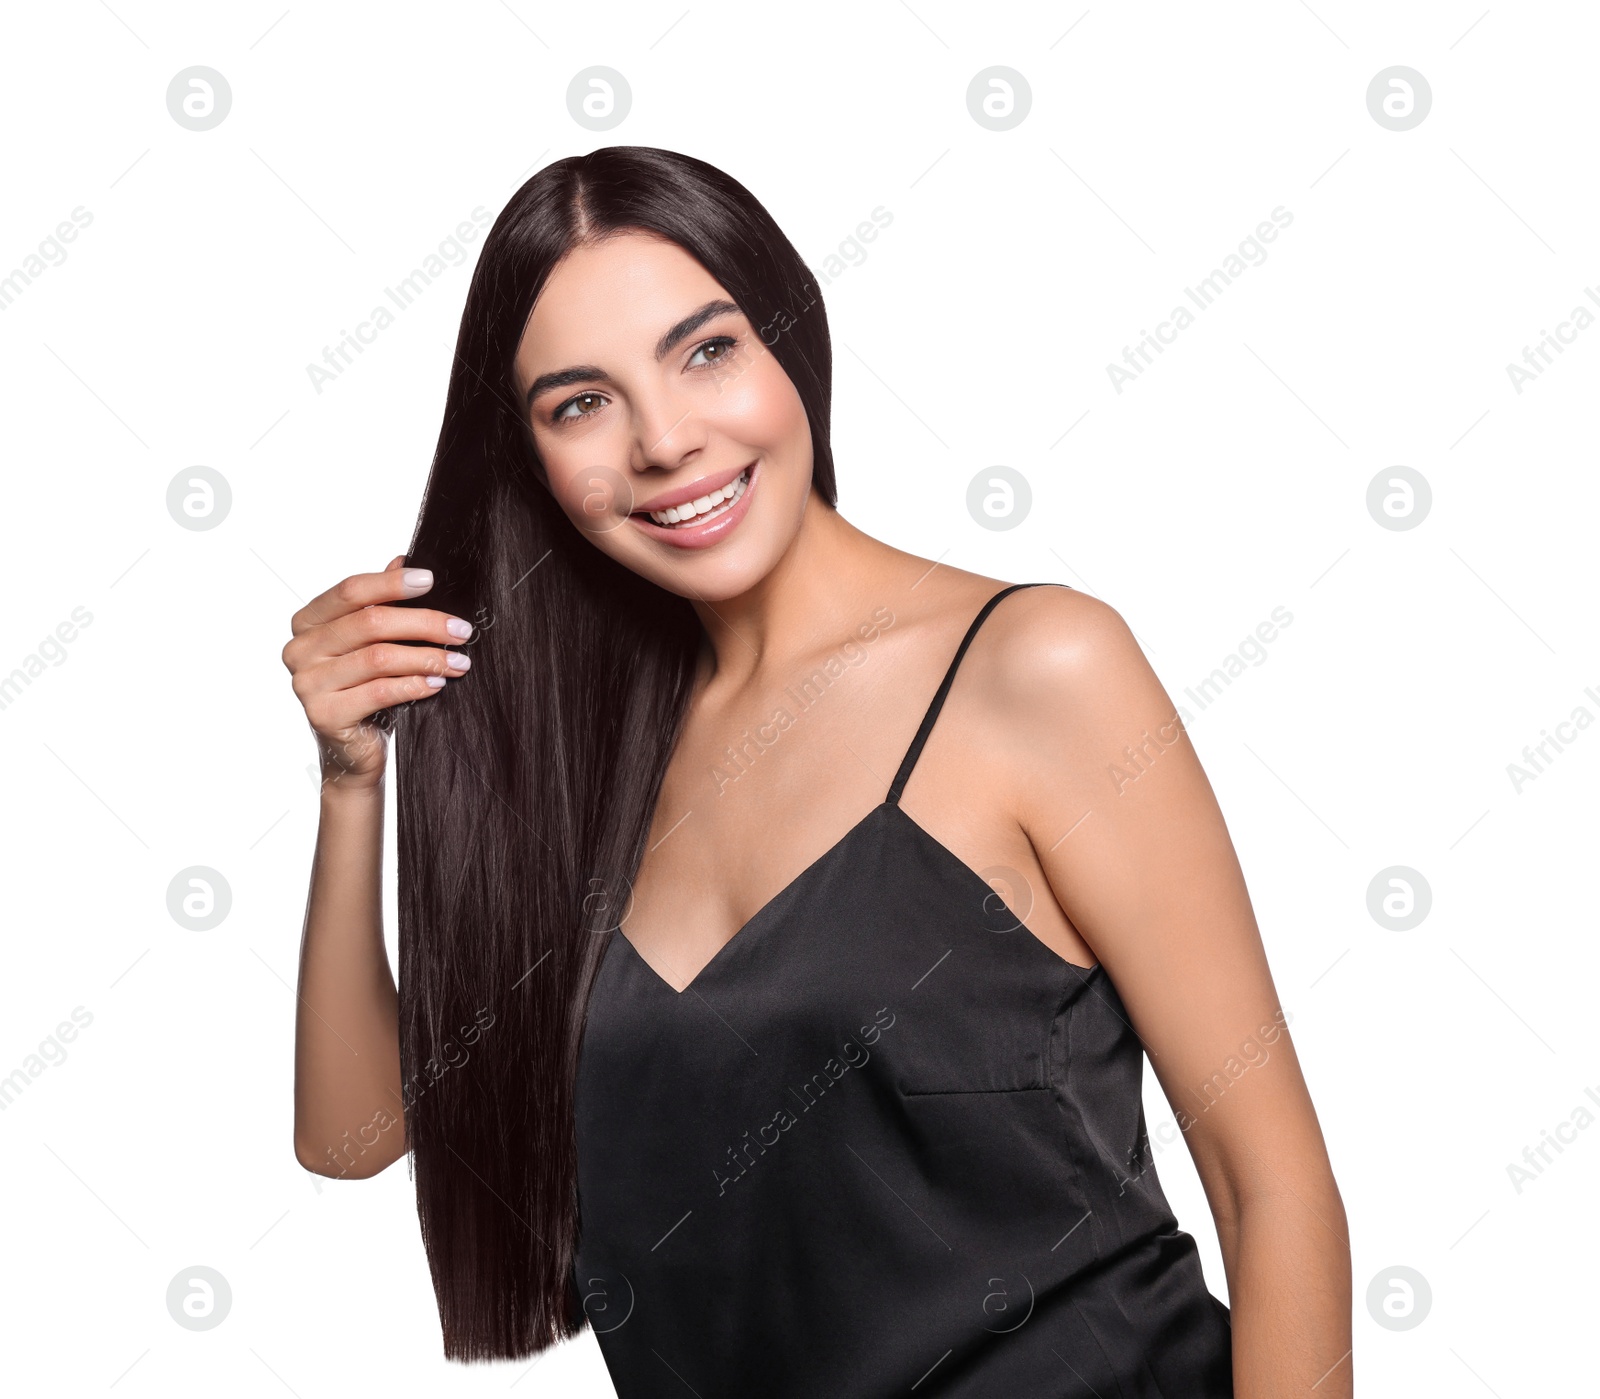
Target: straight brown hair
x: 525, y: 790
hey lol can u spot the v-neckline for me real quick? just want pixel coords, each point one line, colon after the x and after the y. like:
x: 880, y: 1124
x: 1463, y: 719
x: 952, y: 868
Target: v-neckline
x: 761, y: 914
x: 890, y: 802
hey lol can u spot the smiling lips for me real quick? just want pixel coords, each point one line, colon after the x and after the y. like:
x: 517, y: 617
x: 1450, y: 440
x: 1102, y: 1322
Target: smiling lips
x: 701, y: 521
x: 704, y: 506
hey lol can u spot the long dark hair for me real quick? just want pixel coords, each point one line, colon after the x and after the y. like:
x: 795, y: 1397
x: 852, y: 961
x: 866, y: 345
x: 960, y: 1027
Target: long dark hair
x: 525, y: 790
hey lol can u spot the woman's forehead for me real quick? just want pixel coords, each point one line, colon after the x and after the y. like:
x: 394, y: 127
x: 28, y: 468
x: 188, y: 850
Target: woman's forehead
x: 617, y: 296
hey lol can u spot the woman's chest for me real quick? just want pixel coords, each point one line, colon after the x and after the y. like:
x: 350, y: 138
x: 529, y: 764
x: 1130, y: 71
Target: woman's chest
x: 887, y: 951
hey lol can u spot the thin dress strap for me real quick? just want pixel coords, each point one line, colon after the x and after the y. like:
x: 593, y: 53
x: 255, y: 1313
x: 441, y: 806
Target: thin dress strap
x: 915, y: 751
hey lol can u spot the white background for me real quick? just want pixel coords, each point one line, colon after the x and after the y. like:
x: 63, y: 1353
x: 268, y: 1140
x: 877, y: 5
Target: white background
x: 1229, y: 479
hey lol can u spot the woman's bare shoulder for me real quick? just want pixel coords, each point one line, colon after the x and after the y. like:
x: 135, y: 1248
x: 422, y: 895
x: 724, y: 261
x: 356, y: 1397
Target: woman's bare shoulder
x: 1054, y: 639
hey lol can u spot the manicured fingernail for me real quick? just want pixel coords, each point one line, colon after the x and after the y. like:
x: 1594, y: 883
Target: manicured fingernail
x: 456, y: 627
x: 417, y: 580
x: 433, y: 681
x: 456, y: 660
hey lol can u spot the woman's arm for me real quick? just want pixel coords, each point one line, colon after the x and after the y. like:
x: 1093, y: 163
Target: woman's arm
x: 1150, y: 878
x: 349, y: 1118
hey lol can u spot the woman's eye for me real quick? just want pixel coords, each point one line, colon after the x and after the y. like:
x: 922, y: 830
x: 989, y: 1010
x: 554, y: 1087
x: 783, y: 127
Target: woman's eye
x: 561, y: 414
x: 725, y: 343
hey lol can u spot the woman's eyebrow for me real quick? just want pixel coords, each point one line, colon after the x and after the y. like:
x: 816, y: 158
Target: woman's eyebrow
x: 560, y: 378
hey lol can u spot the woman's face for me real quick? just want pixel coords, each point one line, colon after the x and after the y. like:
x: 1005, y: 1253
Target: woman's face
x: 646, y: 388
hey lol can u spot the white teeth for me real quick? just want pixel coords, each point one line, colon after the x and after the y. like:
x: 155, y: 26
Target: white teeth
x: 713, y: 504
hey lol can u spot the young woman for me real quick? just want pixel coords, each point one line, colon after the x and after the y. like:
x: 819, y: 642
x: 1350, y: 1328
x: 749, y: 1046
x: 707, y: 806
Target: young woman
x: 784, y: 918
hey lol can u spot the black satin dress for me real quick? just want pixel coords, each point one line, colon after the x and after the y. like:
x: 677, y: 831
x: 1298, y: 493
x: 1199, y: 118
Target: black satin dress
x: 886, y: 1143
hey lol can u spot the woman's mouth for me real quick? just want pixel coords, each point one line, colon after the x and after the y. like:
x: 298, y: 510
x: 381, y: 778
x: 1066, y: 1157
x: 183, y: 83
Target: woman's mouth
x: 701, y: 522
x: 707, y: 507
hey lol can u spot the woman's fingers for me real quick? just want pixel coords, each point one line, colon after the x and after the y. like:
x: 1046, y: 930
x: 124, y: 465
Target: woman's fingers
x: 380, y: 660
x: 348, y: 657
x: 349, y: 654
x: 352, y: 615
x: 349, y: 595
x: 374, y: 624
x: 339, y: 711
